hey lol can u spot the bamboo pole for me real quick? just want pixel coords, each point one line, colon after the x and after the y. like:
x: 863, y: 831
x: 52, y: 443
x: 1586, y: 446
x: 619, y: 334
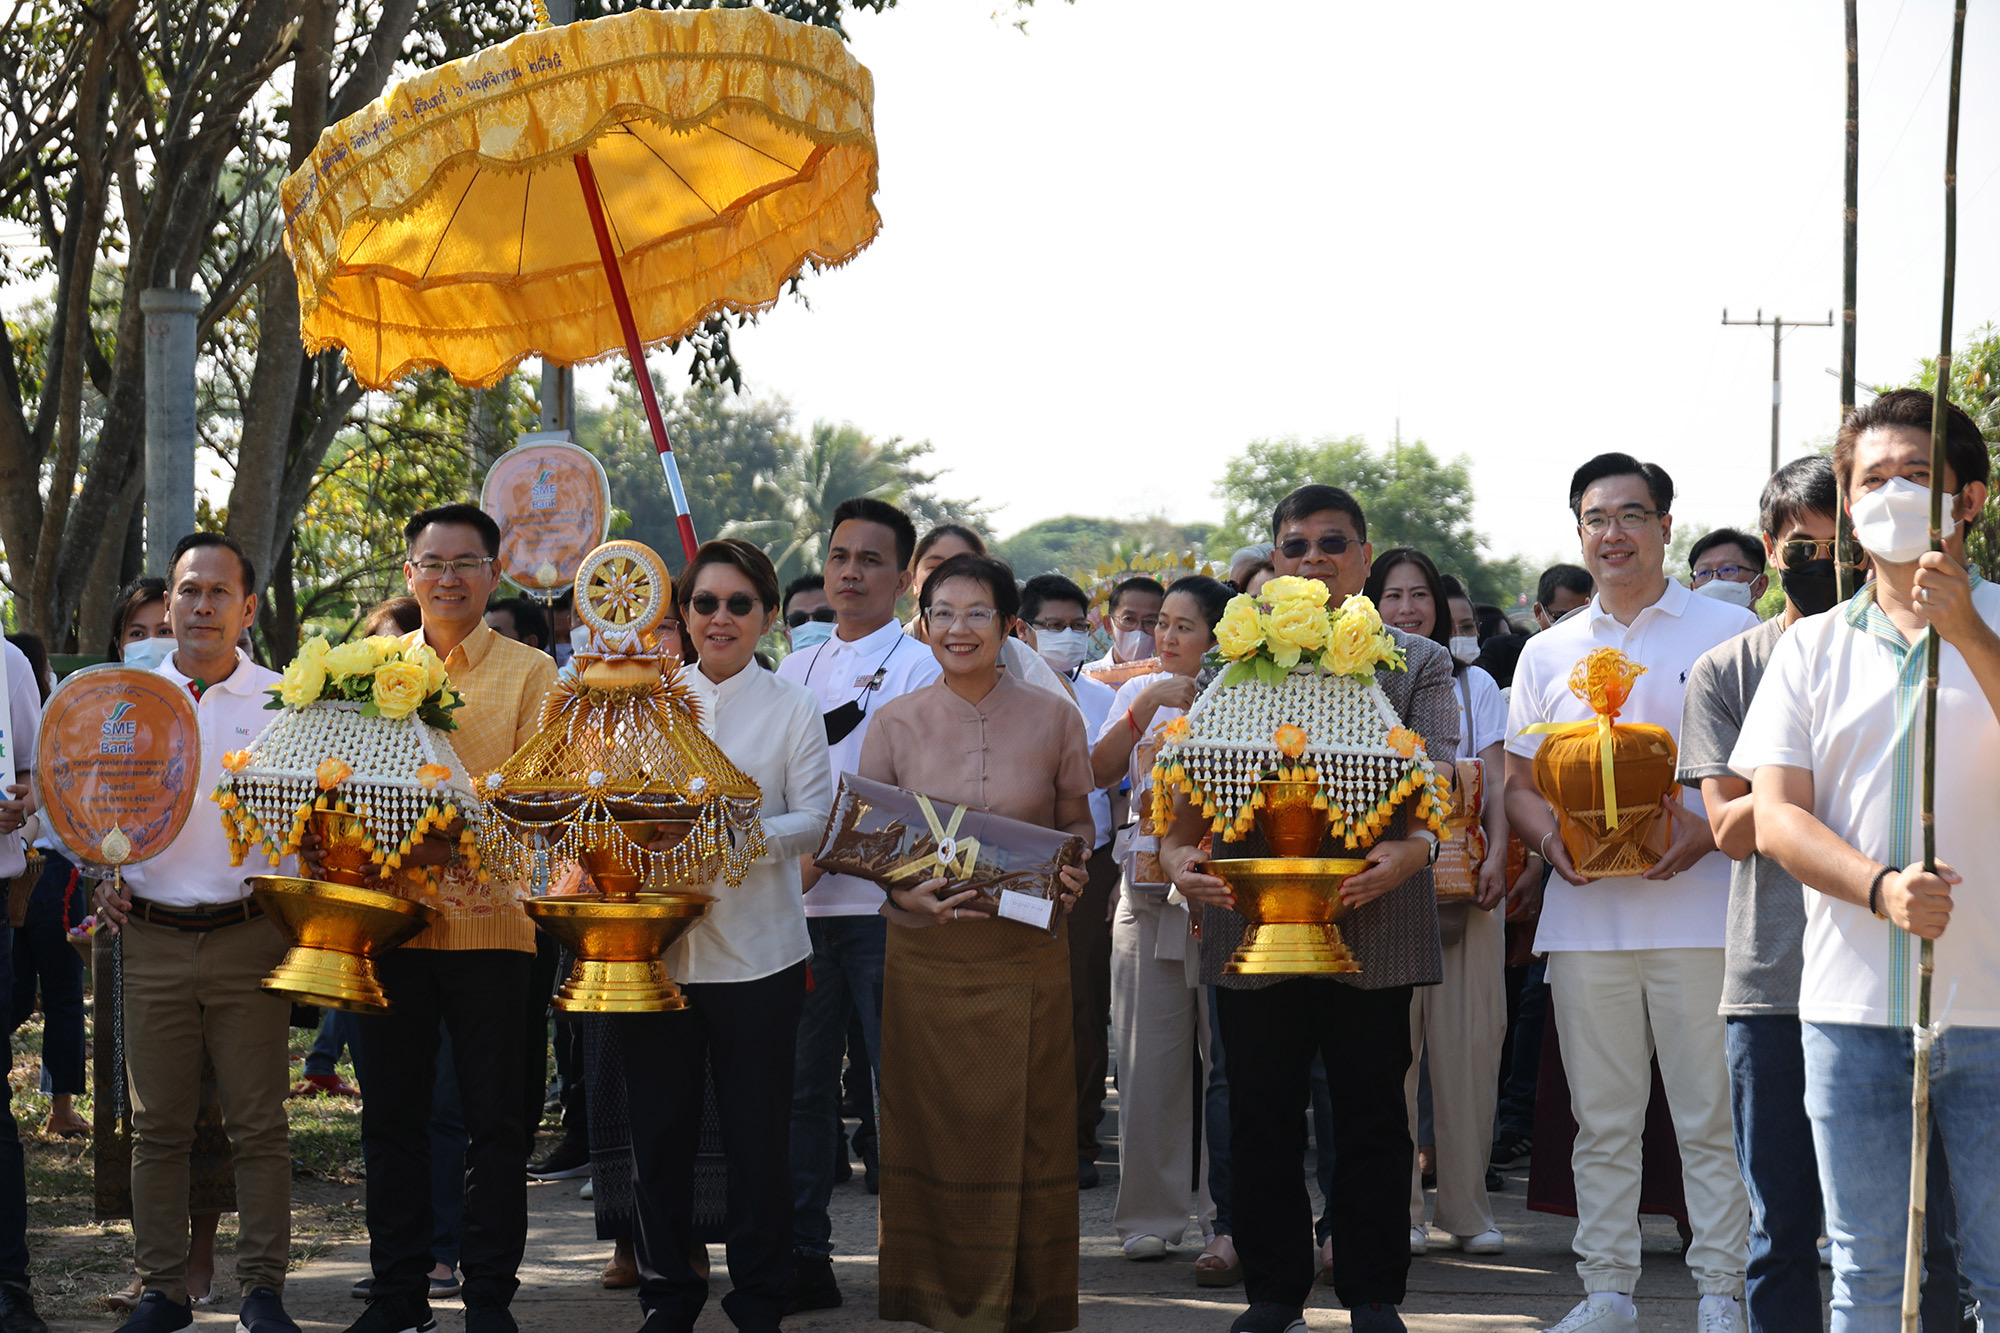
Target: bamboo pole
x: 1920, y: 1082
x: 1843, y: 527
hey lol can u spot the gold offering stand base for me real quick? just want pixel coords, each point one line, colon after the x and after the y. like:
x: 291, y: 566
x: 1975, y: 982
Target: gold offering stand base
x: 618, y: 941
x: 1292, y: 904
x: 337, y: 932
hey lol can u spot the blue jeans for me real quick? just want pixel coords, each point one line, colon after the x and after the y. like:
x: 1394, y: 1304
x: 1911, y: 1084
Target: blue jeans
x: 336, y: 1030
x: 44, y: 958
x: 847, y: 961
x: 1858, y: 1094
x: 1774, y: 1148
x: 1515, y: 1114
x: 13, y: 1162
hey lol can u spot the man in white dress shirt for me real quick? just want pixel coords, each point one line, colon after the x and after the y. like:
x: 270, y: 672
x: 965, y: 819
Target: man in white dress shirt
x: 868, y: 661
x: 1635, y: 963
x: 195, y: 947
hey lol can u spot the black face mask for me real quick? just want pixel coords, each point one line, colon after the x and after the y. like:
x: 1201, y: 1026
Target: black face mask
x: 1811, y: 586
x: 841, y: 722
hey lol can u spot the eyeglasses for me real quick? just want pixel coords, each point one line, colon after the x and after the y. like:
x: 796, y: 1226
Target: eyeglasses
x: 794, y: 619
x: 1728, y: 573
x: 1056, y: 626
x: 1801, y: 549
x: 433, y: 570
x: 944, y: 617
x: 739, y: 603
x: 1595, y: 521
x: 1131, y: 620
x: 1334, y: 543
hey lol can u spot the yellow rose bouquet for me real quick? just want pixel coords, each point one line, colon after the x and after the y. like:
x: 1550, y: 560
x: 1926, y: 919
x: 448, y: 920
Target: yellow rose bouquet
x: 360, y: 744
x: 1289, y: 627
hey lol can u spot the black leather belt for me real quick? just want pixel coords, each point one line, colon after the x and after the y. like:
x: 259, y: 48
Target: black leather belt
x: 198, y: 919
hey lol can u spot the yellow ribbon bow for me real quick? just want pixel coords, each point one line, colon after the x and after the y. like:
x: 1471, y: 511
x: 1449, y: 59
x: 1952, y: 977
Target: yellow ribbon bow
x: 953, y: 858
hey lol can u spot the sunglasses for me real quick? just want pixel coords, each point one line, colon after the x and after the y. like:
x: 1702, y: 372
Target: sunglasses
x: 1801, y: 549
x: 1332, y: 544
x: 705, y: 603
x: 794, y: 619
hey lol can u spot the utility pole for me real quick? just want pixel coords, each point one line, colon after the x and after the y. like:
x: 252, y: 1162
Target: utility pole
x: 1777, y: 326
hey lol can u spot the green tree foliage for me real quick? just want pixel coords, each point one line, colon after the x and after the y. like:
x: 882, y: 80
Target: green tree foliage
x: 749, y: 474
x: 1075, y: 543
x: 1411, y: 498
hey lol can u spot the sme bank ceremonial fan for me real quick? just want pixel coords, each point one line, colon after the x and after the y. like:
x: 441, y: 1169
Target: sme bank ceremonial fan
x: 1296, y: 740
x: 358, y: 757
x: 621, y: 780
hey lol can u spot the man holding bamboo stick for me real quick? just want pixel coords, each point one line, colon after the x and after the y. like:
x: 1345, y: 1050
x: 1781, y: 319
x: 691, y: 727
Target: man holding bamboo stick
x: 1833, y: 745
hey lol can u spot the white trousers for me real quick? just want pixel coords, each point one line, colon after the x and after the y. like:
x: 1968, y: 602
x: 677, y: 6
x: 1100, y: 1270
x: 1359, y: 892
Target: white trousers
x: 1614, y: 1010
x: 1159, y: 1028
x: 1462, y: 1022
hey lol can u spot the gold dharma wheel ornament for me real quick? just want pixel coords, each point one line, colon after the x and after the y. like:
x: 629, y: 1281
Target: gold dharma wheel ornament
x: 623, y: 592
x: 620, y: 780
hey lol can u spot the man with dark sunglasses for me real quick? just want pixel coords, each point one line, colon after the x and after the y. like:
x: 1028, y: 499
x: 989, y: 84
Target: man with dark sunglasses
x: 808, y: 615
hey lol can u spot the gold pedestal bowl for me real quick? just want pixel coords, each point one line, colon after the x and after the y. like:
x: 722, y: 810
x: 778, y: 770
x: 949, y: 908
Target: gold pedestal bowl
x: 1292, y: 904
x: 618, y: 941
x: 337, y: 932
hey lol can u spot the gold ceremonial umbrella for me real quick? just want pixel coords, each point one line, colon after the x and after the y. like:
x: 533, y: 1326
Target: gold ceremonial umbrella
x: 577, y: 189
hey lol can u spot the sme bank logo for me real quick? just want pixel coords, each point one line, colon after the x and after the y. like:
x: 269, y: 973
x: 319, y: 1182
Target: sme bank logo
x: 542, y: 495
x: 120, y: 732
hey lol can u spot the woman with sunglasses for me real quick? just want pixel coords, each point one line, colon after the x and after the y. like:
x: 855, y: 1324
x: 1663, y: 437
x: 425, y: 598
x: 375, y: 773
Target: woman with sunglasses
x: 742, y: 969
x: 1159, y: 1014
x: 978, y: 1088
x: 1461, y: 1022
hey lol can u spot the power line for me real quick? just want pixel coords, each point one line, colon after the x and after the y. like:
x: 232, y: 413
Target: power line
x: 1777, y: 325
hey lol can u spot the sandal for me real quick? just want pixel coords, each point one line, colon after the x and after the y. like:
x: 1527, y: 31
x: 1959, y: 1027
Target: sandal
x: 1218, y: 1265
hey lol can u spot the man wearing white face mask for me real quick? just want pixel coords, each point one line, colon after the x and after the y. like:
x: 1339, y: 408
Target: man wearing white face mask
x: 1055, y: 622
x: 1833, y: 745
x: 1729, y: 566
x: 1135, y: 614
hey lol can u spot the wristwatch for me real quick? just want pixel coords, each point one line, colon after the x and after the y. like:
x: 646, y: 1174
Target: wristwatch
x: 1430, y: 838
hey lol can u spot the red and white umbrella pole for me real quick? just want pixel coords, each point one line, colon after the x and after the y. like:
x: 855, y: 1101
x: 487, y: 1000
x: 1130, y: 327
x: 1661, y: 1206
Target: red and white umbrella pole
x: 636, y: 352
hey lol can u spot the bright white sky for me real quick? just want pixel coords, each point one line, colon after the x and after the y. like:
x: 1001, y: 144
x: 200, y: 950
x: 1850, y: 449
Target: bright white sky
x: 1122, y: 246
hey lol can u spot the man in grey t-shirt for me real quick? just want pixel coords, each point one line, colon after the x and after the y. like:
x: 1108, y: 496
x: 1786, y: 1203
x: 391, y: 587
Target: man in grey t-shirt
x: 1764, y: 950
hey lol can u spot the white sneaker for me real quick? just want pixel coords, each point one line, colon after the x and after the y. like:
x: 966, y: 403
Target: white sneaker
x: 1420, y: 1241
x: 1597, y: 1317
x: 1489, y: 1241
x: 1143, y: 1248
x: 1720, y: 1314
x: 589, y: 1190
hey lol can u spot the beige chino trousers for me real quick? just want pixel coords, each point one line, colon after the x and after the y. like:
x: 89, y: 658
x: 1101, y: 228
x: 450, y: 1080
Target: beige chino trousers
x: 1159, y: 1029
x: 1613, y: 1010
x: 1462, y: 1022
x: 184, y: 989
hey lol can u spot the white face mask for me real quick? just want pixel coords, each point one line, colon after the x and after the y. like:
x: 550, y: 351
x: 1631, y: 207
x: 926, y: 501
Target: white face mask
x: 1062, y: 649
x: 1736, y: 594
x: 1893, y: 522
x: 1465, y: 648
x: 147, y: 654
x: 811, y: 633
x: 1132, y: 645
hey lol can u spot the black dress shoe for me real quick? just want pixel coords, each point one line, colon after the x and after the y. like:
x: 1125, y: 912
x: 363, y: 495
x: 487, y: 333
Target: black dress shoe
x: 811, y: 1286
x: 17, y: 1310
x: 156, y: 1314
x: 395, y: 1314
x: 570, y: 1159
x: 1086, y: 1174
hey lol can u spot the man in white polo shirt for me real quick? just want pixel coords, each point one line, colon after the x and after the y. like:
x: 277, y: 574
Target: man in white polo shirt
x: 1635, y: 963
x: 867, y: 662
x: 195, y: 947
x: 1833, y: 745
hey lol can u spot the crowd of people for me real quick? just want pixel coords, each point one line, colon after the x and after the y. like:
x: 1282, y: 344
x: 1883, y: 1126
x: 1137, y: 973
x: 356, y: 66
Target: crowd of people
x: 1726, y: 1036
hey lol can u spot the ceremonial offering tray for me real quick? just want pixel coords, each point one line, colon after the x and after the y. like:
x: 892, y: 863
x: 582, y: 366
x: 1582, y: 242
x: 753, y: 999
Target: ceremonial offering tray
x: 1608, y: 781
x: 1297, y: 740
x: 357, y: 766
x: 899, y: 839
x: 621, y: 780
